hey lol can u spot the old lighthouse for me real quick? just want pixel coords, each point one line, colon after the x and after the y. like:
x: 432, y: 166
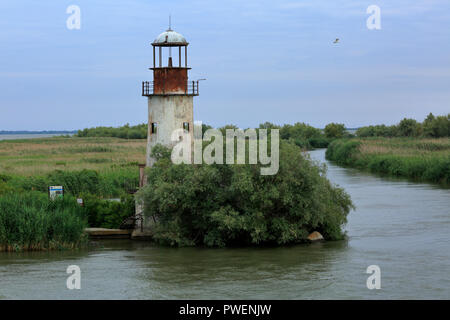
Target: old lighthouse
x: 170, y: 104
x: 170, y: 95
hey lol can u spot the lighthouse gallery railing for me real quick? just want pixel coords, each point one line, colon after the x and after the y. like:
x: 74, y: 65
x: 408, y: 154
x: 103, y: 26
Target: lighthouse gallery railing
x: 148, y: 89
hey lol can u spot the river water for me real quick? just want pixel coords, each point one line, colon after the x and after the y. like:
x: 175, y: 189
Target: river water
x: 400, y: 226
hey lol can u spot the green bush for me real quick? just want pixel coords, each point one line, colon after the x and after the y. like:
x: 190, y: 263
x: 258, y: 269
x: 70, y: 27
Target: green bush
x: 343, y: 152
x: 409, y: 128
x: 335, y: 130
x: 103, y: 213
x: 436, y: 127
x: 377, y: 131
x: 319, y: 142
x: 296, y: 131
x: 225, y: 205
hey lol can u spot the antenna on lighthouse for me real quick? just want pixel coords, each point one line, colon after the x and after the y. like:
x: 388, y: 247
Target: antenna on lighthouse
x: 170, y: 48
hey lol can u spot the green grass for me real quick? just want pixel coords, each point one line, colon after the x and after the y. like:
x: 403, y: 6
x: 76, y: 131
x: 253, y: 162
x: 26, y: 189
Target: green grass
x: 90, y: 168
x: 417, y: 159
x: 31, y: 222
x: 107, y: 167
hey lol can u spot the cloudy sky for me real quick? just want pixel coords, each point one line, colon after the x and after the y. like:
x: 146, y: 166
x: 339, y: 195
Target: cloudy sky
x: 264, y: 61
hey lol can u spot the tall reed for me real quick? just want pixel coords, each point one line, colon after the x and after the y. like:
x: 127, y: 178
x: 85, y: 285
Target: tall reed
x: 29, y: 221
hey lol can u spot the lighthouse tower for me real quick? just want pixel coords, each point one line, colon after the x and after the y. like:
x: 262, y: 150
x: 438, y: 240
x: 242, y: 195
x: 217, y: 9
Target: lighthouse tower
x: 170, y: 105
x: 170, y: 95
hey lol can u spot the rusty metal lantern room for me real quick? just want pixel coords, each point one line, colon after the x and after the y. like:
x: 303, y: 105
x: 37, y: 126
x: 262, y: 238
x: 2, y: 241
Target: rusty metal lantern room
x: 170, y: 79
x: 169, y: 39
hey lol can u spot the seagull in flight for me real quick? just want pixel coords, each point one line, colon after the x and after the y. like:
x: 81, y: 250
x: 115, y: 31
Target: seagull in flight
x: 336, y: 41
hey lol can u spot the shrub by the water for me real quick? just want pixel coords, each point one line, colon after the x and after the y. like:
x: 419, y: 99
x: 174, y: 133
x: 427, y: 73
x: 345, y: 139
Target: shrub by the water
x: 103, y: 213
x: 225, y: 205
x: 343, y: 151
x: 31, y: 222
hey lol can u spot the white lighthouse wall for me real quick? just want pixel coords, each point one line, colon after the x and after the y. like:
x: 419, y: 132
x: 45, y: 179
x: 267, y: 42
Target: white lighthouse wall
x: 169, y: 113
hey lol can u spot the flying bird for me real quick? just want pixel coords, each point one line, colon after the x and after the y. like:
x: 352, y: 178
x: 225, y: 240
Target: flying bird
x: 336, y: 41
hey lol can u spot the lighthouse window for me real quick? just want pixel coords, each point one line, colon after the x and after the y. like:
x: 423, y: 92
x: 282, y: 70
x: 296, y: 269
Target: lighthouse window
x: 154, y: 127
x: 186, y: 126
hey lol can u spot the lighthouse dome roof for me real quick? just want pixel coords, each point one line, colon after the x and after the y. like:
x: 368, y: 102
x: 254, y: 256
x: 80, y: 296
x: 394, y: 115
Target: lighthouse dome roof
x: 170, y: 38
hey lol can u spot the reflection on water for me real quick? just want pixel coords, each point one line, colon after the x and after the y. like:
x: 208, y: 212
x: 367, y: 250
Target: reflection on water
x: 400, y: 226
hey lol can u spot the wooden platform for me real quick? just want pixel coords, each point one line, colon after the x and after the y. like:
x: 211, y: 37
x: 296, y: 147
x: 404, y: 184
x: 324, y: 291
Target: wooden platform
x: 102, y: 233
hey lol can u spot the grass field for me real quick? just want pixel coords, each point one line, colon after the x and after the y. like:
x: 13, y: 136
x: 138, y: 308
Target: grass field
x: 419, y: 159
x: 108, y: 164
x: 41, y: 156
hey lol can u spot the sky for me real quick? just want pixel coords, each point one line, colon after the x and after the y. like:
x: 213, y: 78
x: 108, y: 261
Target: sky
x: 263, y: 60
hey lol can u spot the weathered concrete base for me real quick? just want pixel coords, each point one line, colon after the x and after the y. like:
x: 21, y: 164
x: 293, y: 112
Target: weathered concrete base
x: 102, y: 233
x: 141, y: 235
x: 169, y: 113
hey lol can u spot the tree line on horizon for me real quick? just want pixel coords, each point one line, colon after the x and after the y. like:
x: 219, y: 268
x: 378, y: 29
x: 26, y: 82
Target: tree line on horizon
x: 305, y: 135
x: 432, y: 127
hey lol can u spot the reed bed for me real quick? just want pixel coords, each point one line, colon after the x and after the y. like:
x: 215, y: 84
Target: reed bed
x: 41, y: 156
x: 107, y: 167
x: 30, y: 221
x: 414, y: 158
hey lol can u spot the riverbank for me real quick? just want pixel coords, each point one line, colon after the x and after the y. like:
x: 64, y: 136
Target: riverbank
x: 423, y: 159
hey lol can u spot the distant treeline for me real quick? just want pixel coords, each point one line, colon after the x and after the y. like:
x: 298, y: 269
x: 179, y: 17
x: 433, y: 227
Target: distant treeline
x: 125, y: 132
x: 301, y: 134
x: 431, y: 127
x: 304, y: 135
x: 308, y: 137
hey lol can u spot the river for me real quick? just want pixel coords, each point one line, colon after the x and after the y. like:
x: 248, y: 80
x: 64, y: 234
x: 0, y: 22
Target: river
x: 402, y: 227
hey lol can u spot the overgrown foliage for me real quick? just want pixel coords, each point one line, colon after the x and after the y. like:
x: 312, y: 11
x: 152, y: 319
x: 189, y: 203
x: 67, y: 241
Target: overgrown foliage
x: 225, y: 205
x: 30, y: 221
x: 106, y: 213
